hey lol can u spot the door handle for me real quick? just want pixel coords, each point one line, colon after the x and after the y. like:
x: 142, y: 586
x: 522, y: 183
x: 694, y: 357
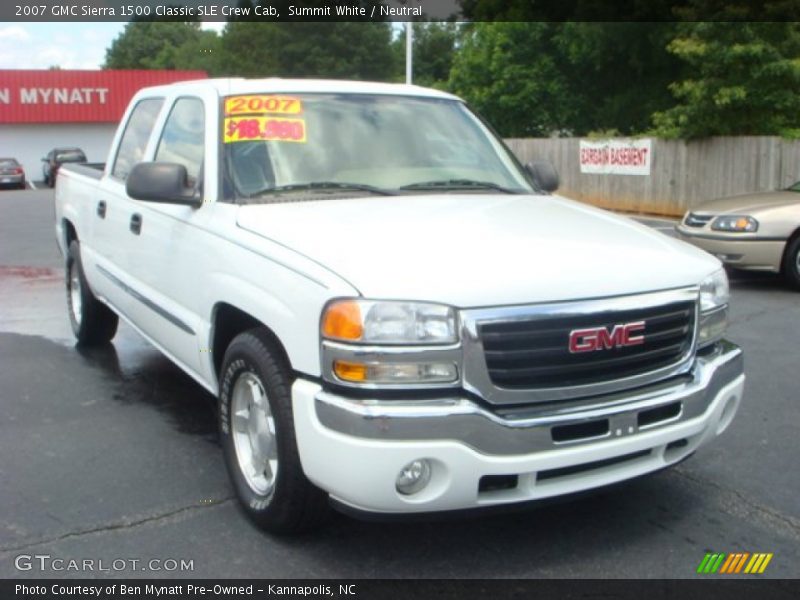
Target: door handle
x: 136, y: 223
x: 101, y: 209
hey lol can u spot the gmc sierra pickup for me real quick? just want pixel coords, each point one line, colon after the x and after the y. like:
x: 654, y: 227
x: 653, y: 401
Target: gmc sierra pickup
x: 396, y: 315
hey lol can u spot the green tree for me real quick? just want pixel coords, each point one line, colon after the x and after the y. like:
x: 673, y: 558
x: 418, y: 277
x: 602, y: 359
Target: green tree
x: 618, y: 73
x: 344, y: 50
x: 150, y: 45
x: 533, y: 78
x: 435, y: 45
x: 202, y: 52
x: 743, y: 78
x: 509, y: 73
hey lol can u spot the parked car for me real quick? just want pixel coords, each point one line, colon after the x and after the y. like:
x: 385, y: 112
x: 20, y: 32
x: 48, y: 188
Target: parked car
x: 57, y: 157
x: 391, y: 326
x: 11, y: 173
x: 756, y: 232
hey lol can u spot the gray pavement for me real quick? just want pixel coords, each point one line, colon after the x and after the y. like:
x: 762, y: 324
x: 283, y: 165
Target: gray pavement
x: 112, y: 454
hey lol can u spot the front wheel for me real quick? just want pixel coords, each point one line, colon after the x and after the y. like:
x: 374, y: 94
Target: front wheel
x: 93, y: 323
x: 258, y: 438
x: 791, y: 263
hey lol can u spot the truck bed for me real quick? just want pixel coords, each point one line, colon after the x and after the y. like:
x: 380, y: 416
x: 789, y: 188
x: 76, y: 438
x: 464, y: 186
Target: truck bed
x: 93, y: 170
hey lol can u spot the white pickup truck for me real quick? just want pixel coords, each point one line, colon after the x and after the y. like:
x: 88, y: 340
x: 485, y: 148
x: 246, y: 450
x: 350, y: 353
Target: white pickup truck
x: 397, y: 317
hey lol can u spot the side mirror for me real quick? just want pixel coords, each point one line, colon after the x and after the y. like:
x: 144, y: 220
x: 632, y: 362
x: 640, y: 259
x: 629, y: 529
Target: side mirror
x: 161, y: 182
x: 544, y: 175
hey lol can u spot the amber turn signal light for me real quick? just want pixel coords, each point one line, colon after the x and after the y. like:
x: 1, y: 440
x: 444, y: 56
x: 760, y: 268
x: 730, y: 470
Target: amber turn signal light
x: 348, y: 371
x: 342, y: 321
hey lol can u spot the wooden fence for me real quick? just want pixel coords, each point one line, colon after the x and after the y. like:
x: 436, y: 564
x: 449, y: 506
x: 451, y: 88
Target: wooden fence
x: 683, y: 174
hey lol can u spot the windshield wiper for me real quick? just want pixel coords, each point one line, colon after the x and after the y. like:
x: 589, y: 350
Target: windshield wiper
x: 459, y: 184
x: 324, y: 185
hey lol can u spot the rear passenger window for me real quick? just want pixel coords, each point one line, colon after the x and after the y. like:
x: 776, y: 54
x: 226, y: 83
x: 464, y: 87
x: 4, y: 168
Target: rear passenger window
x: 134, y: 139
x: 182, y: 140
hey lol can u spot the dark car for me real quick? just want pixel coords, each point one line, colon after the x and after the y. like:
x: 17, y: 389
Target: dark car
x: 11, y: 173
x: 57, y: 157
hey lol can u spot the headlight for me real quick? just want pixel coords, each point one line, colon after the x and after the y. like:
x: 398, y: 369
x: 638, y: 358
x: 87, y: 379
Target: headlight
x: 741, y: 223
x: 390, y: 344
x: 372, y: 322
x: 714, y: 297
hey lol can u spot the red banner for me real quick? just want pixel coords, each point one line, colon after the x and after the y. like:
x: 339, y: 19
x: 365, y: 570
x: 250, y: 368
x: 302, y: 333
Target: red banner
x: 60, y: 96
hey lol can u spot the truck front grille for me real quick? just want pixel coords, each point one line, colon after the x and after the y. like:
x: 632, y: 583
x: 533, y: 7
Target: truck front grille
x: 533, y: 353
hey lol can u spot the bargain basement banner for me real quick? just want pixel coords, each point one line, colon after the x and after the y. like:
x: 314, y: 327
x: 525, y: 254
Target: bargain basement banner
x: 616, y: 157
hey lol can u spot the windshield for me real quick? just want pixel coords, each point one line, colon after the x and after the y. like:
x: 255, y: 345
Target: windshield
x: 346, y: 143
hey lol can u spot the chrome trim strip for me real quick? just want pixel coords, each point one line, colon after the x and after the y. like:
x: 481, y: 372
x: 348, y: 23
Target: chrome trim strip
x: 146, y: 301
x: 462, y: 420
x: 476, y: 374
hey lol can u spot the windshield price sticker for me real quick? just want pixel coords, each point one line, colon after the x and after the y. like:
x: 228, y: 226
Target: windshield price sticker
x: 270, y: 129
x: 274, y: 105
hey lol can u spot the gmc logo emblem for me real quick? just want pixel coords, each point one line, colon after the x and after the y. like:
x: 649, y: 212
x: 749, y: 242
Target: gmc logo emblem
x: 600, y: 338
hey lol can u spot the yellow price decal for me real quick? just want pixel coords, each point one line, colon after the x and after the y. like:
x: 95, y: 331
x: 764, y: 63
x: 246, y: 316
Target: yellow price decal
x: 271, y: 129
x: 275, y: 105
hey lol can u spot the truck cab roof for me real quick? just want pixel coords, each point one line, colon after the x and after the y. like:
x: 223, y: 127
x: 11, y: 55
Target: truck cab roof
x: 230, y: 86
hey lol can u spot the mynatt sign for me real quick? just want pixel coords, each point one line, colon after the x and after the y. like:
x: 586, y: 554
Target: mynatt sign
x: 64, y: 96
x: 616, y: 157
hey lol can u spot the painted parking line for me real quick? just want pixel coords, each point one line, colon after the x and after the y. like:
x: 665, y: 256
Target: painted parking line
x: 33, y: 185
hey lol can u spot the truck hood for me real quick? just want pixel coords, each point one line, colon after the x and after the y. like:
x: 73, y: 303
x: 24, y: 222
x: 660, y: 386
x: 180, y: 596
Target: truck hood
x: 748, y: 203
x: 479, y: 250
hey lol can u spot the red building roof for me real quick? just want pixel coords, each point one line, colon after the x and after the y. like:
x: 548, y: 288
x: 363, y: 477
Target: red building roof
x: 60, y: 96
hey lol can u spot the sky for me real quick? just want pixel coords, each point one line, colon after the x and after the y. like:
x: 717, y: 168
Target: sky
x: 68, y: 45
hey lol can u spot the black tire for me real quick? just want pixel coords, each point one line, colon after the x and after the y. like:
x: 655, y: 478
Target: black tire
x: 93, y: 323
x: 289, y: 503
x: 791, y: 263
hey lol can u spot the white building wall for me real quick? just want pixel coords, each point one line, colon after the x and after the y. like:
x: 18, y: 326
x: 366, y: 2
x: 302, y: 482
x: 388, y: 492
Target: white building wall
x: 29, y: 143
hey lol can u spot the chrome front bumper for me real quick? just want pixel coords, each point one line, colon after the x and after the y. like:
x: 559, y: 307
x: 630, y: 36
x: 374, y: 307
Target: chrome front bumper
x: 354, y: 449
x: 507, y: 431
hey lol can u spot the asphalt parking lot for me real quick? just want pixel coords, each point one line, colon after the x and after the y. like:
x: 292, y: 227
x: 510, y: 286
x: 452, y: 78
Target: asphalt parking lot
x: 112, y: 454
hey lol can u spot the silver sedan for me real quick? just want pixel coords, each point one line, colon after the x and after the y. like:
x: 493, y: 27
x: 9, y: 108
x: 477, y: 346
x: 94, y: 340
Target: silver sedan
x: 758, y: 232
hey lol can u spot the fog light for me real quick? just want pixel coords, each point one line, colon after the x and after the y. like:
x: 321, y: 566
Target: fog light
x: 413, y: 477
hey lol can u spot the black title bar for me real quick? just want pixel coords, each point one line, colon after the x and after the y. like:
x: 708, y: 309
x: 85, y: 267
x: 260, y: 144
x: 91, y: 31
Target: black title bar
x: 389, y: 589
x: 396, y: 10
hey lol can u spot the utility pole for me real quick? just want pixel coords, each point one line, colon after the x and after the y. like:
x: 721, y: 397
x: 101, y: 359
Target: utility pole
x: 409, y: 52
